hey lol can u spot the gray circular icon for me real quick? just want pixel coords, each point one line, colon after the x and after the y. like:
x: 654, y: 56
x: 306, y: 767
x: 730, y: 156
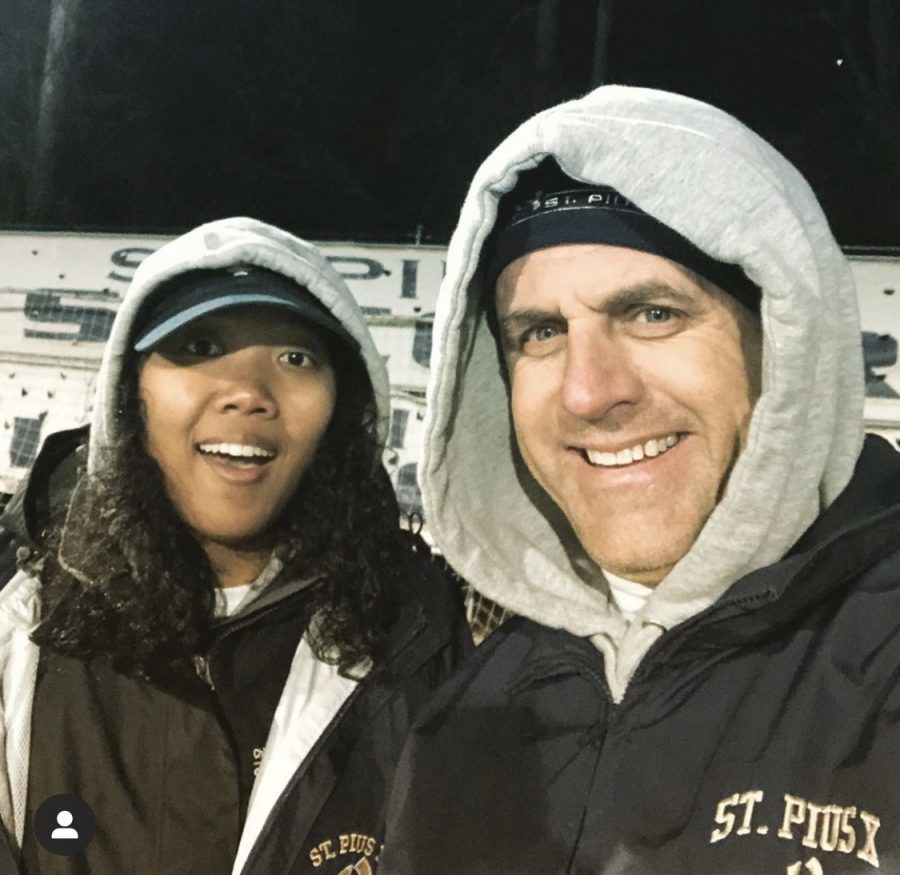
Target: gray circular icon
x: 64, y: 824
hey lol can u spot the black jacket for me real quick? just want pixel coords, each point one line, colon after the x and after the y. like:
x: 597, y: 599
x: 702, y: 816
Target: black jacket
x: 762, y: 736
x: 162, y: 769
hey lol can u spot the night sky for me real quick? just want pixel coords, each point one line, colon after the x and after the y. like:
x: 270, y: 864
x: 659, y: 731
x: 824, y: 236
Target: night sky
x: 365, y: 119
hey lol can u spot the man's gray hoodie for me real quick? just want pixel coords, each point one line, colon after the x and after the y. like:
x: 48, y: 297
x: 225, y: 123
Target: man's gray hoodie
x: 746, y: 721
x: 702, y: 173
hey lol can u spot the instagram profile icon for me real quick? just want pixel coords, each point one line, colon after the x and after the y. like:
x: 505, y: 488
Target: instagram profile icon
x: 64, y: 824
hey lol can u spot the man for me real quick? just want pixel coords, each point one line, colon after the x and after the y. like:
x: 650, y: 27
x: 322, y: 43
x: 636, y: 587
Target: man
x: 645, y: 440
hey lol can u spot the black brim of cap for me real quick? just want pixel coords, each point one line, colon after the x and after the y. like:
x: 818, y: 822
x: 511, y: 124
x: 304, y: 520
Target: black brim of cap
x: 195, y: 296
x: 185, y: 317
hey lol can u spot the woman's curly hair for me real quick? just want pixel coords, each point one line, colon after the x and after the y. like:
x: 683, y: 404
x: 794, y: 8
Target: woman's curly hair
x: 124, y: 580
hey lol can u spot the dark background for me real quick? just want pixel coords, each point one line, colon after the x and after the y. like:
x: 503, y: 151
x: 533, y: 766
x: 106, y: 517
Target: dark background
x: 365, y: 119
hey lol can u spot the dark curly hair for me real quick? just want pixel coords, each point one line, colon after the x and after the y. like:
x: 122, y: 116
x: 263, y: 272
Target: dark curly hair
x: 124, y: 579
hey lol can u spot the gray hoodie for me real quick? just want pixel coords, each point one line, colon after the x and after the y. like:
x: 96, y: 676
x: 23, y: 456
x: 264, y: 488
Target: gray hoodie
x: 700, y: 171
x: 221, y: 244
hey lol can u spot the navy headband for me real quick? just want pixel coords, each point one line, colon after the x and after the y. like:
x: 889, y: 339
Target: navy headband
x: 547, y: 208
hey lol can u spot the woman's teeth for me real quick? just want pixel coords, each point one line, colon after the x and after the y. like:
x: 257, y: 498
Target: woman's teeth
x: 236, y: 451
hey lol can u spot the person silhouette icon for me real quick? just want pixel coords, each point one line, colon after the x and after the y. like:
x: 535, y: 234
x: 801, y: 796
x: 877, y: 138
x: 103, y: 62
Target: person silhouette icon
x: 53, y: 825
x: 64, y: 830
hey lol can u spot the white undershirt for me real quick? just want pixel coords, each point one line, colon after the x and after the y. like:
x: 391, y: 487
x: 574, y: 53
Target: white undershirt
x: 230, y: 598
x: 629, y: 596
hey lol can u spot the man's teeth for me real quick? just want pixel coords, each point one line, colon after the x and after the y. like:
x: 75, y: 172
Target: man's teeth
x: 236, y: 451
x: 651, y: 448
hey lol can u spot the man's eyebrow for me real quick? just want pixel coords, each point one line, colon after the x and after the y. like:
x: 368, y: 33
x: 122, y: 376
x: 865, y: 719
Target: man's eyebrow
x: 646, y: 293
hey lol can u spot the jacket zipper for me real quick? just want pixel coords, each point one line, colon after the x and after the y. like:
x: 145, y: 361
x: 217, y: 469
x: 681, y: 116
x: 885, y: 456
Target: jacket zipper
x: 203, y: 661
x: 201, y: 666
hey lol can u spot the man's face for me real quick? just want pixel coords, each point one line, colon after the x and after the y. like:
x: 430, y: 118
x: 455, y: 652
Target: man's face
x: 632, y: 388
x: 235, y: 405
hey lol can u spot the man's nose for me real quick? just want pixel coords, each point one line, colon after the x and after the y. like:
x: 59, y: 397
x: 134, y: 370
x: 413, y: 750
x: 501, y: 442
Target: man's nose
x: 245, y: 388
x: 599, y: 374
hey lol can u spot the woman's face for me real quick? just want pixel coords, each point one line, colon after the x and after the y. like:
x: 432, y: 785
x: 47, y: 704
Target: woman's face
x: 235, y: 405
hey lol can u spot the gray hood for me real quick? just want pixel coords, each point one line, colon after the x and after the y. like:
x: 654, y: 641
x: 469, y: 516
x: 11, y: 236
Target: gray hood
x: 220, y: 244
x: 701, y: 172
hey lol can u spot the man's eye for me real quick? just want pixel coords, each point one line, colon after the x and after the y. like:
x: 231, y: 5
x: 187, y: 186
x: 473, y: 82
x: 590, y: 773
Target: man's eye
x: 201, y: 347
x: 540, y: 334
x: 657, y: 315
x: 537, y: 341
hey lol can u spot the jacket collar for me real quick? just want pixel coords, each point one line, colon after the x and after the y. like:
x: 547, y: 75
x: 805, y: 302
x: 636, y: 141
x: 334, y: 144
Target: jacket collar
x: 49, y: 482
x: 853, y: 534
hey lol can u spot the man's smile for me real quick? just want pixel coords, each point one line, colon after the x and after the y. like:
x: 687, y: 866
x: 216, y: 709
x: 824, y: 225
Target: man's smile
x: 641, y: 450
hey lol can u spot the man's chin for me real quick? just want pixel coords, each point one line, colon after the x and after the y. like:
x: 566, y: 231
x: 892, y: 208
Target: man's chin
x: 648, y: 566
x: 644, y: 547
x: 647, y: 576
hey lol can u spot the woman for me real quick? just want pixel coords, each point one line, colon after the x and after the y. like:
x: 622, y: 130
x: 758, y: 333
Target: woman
x: 218, y: 634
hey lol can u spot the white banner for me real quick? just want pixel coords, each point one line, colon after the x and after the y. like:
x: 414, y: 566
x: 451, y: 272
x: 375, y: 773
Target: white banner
x: 59, y: 293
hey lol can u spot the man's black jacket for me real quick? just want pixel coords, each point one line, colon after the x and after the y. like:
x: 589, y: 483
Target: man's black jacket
x: 761, y: 737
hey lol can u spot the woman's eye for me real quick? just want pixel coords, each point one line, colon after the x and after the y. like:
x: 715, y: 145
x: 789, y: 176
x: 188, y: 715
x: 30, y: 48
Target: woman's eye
x: 201, y: 347
x: 296, y: 358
